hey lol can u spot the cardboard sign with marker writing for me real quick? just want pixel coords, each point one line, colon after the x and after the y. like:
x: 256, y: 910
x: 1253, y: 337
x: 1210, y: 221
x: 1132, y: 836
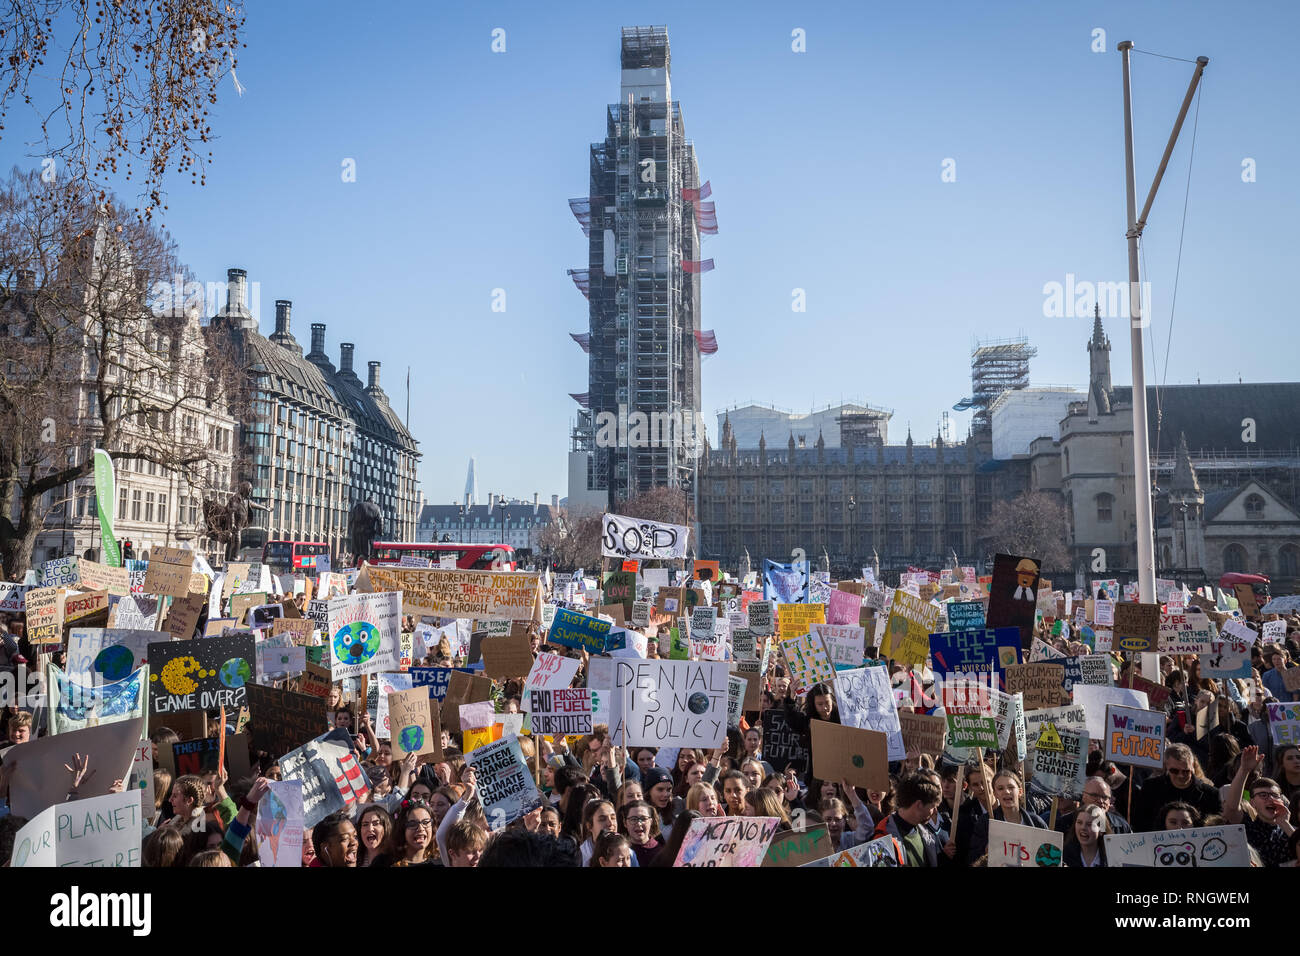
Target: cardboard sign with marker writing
x: 169, y: 571
x: 183, y: 616
x: 414, y: 725
x: 1136, y: 627
x: 507, y: 657
x: 1040, y: 682
x: 315, y: 680
x: 923, y: 733
x: 1246, y: 599
x: 241, y: 603
x: 299, y: 629
x: 850, y: 753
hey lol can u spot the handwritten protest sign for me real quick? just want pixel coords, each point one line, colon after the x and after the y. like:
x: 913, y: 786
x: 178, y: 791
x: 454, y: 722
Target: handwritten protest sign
x: 45, y: 615
x: 169, y: 571
x: 201, y: 674
x: 571, y: 629
x: 92, y: 654
x: 478, y: 595
x: 964, y: 655
x: 797, y: 847
x: 967, y: 616
x: 1011, y: 844
x: 623, y: 537
x: 866, y: 700
x: 364, y: 634
x: 761, y: 617
x: 883, y: 851
x: 282, y: 719
x: 414, y: 724
x: 1284, y: 723
x: 564, y: 710
x: 549, y: 672
x: 669, y: 703
x: 505, y: 786
x: 807, y: 659
x: 845, y: 643
x: 1135, y: 737
x: 794, y: 620
x: 331, y: 777
x: 280, y: 825
x: 1188, y: 632
x: 923, y: 733
x: 99, y: 831
x: 843, y: 607
x: 907, y: 635
x: 60, y: 573
x: 1137, y: 627
x: 1062, y: 771
x: 1040, y: 682
x: 1198, y: 847
x: 727, y: 841
x: 13, y: 597
x: 850, y: 753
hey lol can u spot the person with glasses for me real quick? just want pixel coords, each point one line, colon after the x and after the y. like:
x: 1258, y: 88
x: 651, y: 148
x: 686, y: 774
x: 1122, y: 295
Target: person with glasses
x: 1096, y: 793
x: 642, y: 831
x: 1182, y: 782
x: 1270, y: 831
x: 414, y: 834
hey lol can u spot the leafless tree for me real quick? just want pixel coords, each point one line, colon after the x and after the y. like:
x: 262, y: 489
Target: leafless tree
x: 1031, y: 524
x: 87, y: 361
x: 575, y: 541
x: 119, y: 88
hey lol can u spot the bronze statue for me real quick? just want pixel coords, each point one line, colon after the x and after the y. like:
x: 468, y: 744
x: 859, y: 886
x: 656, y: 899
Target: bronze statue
x: 226, y: 517
x: 366, y: 524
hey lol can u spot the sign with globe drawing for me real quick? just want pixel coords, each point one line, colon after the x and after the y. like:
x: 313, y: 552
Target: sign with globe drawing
x: 201, y: 674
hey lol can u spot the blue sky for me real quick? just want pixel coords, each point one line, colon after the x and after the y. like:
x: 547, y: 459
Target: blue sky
x: 825, y: 168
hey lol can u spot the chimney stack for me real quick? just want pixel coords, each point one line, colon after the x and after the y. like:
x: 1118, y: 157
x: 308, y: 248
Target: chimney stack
x: 373, y: 379
x: 534, y: 502
x: 345, y: 358
x: 236, y: 290
x: 318, y: 338
x: 282, y: 309
x: 555, y: 501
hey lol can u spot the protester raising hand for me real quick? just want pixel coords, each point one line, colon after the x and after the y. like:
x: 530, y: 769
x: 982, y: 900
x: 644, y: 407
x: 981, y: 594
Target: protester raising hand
x: 81, y: 773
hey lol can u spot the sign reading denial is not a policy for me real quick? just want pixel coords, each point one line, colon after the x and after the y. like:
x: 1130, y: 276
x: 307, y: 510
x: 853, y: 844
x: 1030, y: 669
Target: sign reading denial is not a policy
x: 669, y: 703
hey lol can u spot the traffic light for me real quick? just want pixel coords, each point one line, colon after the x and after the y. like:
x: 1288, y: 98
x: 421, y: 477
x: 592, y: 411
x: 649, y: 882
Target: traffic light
x: 128, y: 549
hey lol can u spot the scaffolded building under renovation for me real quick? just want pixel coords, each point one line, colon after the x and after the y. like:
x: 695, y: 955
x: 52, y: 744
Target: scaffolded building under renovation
x: 643, y: 218
x: 996, y: 366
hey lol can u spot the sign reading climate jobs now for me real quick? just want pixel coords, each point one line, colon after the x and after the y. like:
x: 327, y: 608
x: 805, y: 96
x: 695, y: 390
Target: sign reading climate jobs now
x: 669, y: 703
x: 622, y: 537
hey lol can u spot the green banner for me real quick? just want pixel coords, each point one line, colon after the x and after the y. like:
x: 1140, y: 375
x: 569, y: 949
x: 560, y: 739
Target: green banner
x: 105, y: 488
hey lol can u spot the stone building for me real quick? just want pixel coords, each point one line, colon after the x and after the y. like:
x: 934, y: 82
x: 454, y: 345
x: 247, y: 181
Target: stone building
x: 907, y: 504
x: 318, y: 439
x: 1225, y: 473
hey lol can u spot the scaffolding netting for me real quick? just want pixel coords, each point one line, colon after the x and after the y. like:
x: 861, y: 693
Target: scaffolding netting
x: 582, y: 279
x: 582, y: 212
x: 583, y: 339
x: 583, y: 398
x: 695, y: 195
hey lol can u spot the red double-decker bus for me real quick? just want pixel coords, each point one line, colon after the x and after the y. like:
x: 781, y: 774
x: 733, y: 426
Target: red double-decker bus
x: 469, y: 557
x: 291, y: 557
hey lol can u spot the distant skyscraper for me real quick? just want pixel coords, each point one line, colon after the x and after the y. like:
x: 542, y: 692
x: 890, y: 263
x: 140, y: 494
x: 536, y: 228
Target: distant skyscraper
x: 471, y: 485
x: 643, y: 217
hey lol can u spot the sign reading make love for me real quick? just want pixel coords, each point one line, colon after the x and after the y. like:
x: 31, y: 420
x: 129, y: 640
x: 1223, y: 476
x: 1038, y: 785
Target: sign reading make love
x: 622, y: 537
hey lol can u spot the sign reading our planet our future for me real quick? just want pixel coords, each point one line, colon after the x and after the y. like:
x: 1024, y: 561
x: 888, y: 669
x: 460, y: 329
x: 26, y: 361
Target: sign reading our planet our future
x: 201, y: 674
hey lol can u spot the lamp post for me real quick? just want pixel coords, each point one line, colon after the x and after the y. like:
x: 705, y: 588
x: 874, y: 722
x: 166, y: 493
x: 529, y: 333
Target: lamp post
x: 502, y: 505
x: 853, y: 507
x: 461, y: 510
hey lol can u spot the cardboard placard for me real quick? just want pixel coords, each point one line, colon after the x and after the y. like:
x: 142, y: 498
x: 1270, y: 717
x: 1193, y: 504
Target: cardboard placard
x: 414, y: 726
x: 183, y: 616
x: 1137, y: 627
x: 1041, y: 683
x: 507, y: 657
x: 299, y: 629
x: 797, y: 847
x: 923, y: 733
x: 168, y: 572
x: 462, y: 688
x: 853, y: 754
x: 315, y: 680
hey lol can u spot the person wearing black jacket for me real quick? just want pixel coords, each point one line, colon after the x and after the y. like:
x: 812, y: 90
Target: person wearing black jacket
x: 1096, y: 793
x: 818, y: 704
x: 1181, y: 781
x: 1010, y: 802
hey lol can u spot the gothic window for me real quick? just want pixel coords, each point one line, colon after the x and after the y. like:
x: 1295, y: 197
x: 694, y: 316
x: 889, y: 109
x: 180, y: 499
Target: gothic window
x: 1254, y: 506
x: 1105, y: 506
x: 1234, y: 558
x: 1288, y: 561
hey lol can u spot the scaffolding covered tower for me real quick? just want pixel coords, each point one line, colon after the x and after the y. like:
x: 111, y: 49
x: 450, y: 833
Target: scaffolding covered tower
x: 996, y: 366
